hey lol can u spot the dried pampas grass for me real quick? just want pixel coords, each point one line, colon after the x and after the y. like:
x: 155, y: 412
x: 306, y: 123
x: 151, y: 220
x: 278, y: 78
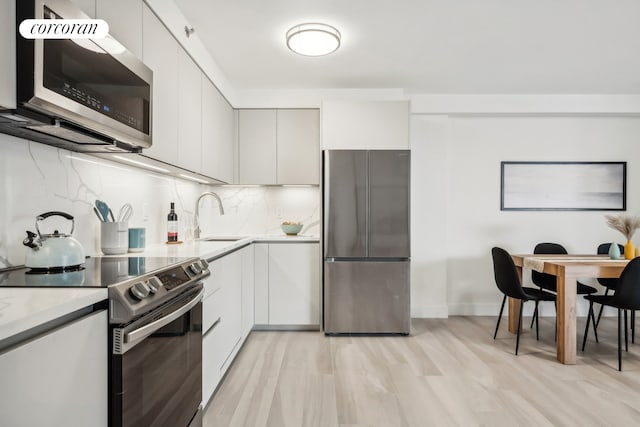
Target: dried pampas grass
x: 626, y: 224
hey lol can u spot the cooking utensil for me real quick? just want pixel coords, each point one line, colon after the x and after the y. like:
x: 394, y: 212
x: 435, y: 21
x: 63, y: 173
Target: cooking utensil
x: 103, y: 208
x: 111, y: 215
x: 98, y: 214
x: 55, y: 250
x: 125, y: 213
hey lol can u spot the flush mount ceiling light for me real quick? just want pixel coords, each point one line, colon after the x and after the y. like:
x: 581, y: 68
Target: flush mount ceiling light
x: 313, y: 39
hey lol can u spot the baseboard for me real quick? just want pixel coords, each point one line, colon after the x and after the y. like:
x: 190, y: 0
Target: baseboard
x: 546, y: 309
x: 429, y: 311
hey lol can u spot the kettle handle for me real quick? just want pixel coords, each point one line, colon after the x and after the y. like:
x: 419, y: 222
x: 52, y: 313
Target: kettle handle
x: 55, y: 213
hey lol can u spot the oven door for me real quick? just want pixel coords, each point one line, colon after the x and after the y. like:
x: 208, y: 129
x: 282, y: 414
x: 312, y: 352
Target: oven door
x: 156, y: 366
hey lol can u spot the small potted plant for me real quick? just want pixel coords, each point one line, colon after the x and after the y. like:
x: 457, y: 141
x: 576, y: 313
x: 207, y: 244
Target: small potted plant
x: 627, y: 225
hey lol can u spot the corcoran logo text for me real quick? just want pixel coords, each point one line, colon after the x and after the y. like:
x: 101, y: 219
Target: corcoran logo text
x: 63, y: 28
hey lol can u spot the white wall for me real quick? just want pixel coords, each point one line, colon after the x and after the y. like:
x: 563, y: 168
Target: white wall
x: 37, y: 178
x: 456, y: 216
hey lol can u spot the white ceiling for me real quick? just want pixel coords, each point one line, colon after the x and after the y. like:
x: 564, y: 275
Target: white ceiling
x: 429, y: 46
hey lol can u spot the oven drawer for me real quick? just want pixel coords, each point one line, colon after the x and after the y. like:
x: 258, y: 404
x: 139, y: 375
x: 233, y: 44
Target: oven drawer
x: 211, y: 310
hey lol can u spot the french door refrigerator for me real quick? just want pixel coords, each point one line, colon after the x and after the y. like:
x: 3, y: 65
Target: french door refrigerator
x: 366, y: 241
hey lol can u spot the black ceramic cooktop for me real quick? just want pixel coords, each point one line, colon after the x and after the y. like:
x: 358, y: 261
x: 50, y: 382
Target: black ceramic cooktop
x: 97, y: 273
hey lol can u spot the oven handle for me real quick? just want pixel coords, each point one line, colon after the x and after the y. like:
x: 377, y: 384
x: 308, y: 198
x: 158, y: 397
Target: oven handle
x: 146, y: 330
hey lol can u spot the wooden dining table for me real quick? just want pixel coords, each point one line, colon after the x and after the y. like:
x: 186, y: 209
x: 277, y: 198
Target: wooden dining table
x: 567, y: 269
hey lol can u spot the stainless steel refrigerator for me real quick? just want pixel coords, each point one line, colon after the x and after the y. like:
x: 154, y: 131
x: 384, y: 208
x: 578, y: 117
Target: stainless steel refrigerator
x: 366, y: 241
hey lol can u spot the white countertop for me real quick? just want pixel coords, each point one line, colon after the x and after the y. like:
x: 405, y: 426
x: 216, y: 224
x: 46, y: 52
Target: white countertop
x: 24, y: 308
x: 210, y: 249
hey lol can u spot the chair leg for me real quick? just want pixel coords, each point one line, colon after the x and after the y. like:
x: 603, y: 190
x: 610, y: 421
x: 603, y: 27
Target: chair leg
x: 633, y: 326
x: 519, y: 324
x: 619, y: 341
x: 535, y: 315
x: 499, y: 317
x: 586, y: 329
x: 606, y: 292
x: 626, y: 332
x: 593, y: 320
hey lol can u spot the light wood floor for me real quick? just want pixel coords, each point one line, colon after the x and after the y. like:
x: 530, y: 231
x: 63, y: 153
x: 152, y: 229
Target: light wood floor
x: 448, y: 372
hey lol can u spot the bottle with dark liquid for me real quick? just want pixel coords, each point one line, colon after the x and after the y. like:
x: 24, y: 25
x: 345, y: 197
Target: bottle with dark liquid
x: 172, y: 225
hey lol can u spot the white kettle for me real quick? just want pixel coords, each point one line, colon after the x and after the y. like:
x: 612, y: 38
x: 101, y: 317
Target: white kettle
x: 53, y: 251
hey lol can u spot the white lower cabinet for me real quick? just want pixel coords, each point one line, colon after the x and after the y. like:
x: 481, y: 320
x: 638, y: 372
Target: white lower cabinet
x: 248, y: 289
x: 260, y: 284
x: 287, y: 280
x: 228, y: 294
x: 58, y: 379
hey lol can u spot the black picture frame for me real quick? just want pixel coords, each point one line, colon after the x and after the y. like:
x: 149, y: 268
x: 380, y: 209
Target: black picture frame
x: 563, y: 186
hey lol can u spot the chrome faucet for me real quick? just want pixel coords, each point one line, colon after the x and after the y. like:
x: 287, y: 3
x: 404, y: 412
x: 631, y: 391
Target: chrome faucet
x: 196, y: 231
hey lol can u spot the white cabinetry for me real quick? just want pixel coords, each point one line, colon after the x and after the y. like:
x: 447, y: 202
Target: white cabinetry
x: 124, y: 18
x: 160, y: 53
x: 8, y: 54
x: 298, y: 146
x: 189, y: 114
x: 193, y: 125
x: 287, y: 281
x: 87, y: 6
x: 217, y: 133
x: 257, y: 146
x: 365, y: 125
x: 247, y: 289
x: 58, y: 379
x: 278, y: 146
x: 226, y: 320
x: 261, y: 281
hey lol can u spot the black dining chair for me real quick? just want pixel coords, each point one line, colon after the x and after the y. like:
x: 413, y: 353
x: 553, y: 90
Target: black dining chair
x: 546, y: 281
x: 608, y: 282
x: 610, y: 285
x: 509, y: 283
x: 626, y: 296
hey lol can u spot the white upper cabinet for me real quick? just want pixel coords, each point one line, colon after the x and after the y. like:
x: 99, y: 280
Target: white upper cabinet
x: 298, y: 146
x: 189, y: 113
x: 257, y: 146
x: 279, y: 146
x: 365, y: 125
x: 87, y: 6
x: 124, y: 18
x: 8, y: 54
x: 217, y: 133
x: 160, y: 51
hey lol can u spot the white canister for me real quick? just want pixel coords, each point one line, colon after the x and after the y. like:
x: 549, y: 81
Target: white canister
x: 114, y: 238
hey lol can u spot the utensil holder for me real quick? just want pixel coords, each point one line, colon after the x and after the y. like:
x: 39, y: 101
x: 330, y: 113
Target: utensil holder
x: 114, y: 238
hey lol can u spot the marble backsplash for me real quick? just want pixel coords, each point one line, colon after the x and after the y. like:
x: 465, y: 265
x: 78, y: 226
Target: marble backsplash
x: 36, y: 178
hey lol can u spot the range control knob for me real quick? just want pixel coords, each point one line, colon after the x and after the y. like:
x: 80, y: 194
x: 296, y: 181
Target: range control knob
x: 195, y: 268
x: 204, y: 263
x: 139, y: 290
x: 154, y: 284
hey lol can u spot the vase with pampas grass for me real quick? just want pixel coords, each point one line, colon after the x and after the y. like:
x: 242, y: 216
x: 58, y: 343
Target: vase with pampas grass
x: 627, y: 225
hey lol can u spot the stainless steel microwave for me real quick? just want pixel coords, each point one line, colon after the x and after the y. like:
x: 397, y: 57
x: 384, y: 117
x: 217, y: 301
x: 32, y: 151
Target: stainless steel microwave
x: 89, y: 95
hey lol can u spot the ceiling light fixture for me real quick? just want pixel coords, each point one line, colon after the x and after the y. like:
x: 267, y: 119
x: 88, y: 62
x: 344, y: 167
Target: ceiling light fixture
x: 313, y: 39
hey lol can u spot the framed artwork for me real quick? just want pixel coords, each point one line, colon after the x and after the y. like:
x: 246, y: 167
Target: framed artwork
x: 563, y: 186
